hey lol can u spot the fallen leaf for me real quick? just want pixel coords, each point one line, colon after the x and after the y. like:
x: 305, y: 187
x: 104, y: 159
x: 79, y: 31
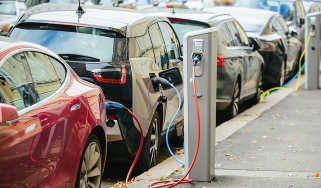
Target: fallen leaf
x: 254, y: 142
x: 317, y: 175
x: 230, y: 159
x: 148, y: 174
x: 163, y: 178
x: 228, y: 154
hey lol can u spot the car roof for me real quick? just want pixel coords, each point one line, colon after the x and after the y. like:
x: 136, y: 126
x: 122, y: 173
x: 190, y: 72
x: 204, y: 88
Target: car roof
x: 199, y: 16
x: 119, y: 19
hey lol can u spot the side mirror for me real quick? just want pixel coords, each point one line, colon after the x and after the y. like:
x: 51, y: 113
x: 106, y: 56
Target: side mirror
x: 302, y: 21
x: 255, y: 43
x: 8, y: 114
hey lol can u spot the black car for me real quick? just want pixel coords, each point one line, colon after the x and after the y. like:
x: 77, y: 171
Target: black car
x: 280, y: 49
x: 121, y: 51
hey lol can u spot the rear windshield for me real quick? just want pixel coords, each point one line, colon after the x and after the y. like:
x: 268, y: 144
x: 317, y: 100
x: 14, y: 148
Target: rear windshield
x: 8, y: 7
x: 182, y: 28
x: 94, y: 43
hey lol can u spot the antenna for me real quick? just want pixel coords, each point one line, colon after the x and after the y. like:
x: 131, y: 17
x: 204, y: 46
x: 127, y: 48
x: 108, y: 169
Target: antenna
x: 80, y: 11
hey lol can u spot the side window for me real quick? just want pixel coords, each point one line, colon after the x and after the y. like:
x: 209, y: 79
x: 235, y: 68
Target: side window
x: 235, y: 34
x: 59, y: 68
x: 45, y: 78
x: 228, y: 37
x: 158, y: 46
x: 170, y: 40
x: 283, y: 24
x: 243, y: 36
x: 277, y: 27
x: 16, y: 86
x: 141, y: 47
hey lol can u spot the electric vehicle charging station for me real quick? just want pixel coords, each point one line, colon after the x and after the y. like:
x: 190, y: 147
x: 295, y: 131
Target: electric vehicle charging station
x: 205, y: 44
x: 313, y: 51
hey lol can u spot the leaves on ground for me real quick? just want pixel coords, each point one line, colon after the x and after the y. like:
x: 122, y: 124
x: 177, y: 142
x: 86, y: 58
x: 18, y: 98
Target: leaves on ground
x: 317, y: 175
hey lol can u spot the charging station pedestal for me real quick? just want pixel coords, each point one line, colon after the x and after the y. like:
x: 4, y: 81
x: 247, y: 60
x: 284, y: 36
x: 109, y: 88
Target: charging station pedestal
x: 313, y: 52
x: 203, y: 42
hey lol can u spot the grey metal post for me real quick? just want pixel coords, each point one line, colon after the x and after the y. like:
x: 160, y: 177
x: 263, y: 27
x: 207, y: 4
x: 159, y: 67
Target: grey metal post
x: 312, y: 56
x: 206, y: 87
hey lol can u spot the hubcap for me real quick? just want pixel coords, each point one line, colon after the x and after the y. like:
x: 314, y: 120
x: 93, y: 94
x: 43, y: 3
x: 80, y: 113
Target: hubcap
x: 282, y: 75
x: 154, y: 142
x: 236, y: 100
x: 90, y: 173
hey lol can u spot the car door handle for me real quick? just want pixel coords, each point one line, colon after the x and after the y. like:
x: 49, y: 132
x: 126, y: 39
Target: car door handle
x: 75, y: 107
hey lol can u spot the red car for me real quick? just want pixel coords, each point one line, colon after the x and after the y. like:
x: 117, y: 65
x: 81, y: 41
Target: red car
x: 52, y: 123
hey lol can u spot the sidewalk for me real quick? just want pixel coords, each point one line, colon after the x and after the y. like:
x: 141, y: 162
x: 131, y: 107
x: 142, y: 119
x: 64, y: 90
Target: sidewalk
x: 281, y: 148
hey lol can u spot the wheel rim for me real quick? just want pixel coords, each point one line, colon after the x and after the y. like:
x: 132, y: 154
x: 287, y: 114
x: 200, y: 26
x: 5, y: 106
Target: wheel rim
x: 90, y: 173
x: 282, y: 75
x: 154, y: 143
x: 236, y: 95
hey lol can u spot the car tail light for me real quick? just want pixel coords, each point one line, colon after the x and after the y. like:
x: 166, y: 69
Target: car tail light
x: 122, y: 80
x: 178, y: 20
x: 220, y: 61
x: 169, y: 6
x: 267, y: 46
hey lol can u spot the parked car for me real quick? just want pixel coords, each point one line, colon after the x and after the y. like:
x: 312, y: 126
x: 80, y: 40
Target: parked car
x: 280, y: 49
x: 311, y: 7
x: 292, y: 11
x: 239, y: 65
x: 9, y: 12
x: 52, y: 129
x: 113, y: 3
x: 121, y: 51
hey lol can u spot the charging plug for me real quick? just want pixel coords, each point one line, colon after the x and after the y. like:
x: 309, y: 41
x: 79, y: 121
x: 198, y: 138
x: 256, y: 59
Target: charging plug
x: 197, y: 58
x: 109, y: 105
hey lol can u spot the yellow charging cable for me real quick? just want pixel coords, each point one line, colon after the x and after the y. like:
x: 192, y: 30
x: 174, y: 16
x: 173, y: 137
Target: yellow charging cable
x: 268, y: 92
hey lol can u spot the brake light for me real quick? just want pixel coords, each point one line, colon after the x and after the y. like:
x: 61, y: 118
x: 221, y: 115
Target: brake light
x: 220, y: 61
x: 169, y: 6
x: 122, y: 80
x: 178, y: 19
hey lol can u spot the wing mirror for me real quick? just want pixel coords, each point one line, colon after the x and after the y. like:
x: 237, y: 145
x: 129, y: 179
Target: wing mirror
x: 255, y: 44
x: 8, y: 114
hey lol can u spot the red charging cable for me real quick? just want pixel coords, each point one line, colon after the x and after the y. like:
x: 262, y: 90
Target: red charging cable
x: 173, y: 183
x: 139, y: 149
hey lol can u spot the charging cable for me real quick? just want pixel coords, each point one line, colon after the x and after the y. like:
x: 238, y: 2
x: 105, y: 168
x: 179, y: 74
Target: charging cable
x: 173, y: 183
x: 109, y: 105
x: 163, y: 81
x: 298, y: 75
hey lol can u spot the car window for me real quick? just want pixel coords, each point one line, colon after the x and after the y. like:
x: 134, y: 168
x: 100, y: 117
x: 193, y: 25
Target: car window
x: 44, y: 75
x: 141, y: 47
x: 158, y: 46
x: 243, y: 37
x: 235, y: 34
x: 170, y: 39
x: 16, y: 87
x: 277, y: 26
x: 227, y: 34
x: 59, y: 68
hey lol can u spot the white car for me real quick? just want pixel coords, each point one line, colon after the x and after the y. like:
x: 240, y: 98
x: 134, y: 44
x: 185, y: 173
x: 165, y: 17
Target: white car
x: 9, y: 13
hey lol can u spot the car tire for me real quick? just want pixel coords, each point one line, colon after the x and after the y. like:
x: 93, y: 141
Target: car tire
x: 259, y: 86
x: 282, y: 74
x: 152, y: 142
x: 90, y: 166
x: 233, y: 109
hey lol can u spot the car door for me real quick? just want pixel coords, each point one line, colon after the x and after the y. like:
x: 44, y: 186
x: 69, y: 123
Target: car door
x: 20, y: 166
x: 174, y: 72
x: 252, y: 62
x: 242, y: 58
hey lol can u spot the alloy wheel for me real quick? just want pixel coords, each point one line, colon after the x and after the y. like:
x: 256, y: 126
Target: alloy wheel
x: 154, y: 142
x: 236, y: 100
x: 90, y: 173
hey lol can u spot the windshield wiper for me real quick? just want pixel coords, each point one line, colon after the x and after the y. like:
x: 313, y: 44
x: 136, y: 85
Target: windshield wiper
x: 78, y: 57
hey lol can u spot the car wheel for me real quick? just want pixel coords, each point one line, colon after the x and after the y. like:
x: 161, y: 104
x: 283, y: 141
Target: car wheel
x: 90, y: 166
x: 259, y: 85
x: 282, y: 75
x: 150, y: 153
x: 234, y: 107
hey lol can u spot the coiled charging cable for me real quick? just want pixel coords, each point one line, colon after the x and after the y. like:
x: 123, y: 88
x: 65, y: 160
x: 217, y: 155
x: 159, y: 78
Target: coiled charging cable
x: 119, y: 106
x: 173, y: 183
x: 298, y: 75
x: 163, y: 81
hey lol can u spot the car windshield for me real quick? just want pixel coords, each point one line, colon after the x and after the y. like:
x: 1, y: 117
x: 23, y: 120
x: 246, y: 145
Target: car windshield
x: 271, y: 5
x: 8, y: 7
x: 76, y: 42
x: 182, y: 28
